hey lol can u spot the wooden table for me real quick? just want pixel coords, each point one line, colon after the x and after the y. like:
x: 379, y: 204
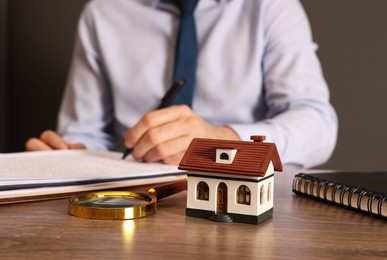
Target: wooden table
x: 301, y: 228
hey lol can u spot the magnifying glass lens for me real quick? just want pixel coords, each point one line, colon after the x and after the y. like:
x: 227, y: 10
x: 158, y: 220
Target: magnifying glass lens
x: 113, y: 202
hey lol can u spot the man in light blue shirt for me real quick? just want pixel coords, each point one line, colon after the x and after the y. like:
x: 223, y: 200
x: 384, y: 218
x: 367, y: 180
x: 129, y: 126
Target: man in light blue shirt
x: 257, y: 73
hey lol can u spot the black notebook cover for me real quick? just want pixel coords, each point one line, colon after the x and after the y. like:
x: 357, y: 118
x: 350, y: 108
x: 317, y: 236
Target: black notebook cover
x: 362, y: 191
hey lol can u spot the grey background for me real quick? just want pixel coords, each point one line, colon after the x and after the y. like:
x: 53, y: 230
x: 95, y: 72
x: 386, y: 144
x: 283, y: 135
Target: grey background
x: 36, y: 39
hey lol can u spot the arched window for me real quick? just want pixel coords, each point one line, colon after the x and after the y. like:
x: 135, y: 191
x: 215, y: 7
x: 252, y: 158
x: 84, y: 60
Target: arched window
x: 224, y: 156
x: 262, y: 195
x: 269, y: 192
x: 202, y: 191
x: 243, y: 195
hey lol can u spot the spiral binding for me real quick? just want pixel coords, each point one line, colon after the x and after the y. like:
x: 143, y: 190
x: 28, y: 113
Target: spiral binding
x: 314, y: 187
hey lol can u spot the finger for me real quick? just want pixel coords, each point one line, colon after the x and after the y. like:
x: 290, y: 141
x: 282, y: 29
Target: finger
x: 76, y: 146
x: 175, y: 159
x: 170, y: 152
x: 53, y: 140
x: 164, y: 133
x: 34, y: 144
x: 154, y: 119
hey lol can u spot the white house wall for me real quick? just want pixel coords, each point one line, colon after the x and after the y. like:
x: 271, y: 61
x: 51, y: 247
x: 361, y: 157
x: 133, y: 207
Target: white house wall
x: 194, y: 203
x: 267, y: 204
x: 232, y: 185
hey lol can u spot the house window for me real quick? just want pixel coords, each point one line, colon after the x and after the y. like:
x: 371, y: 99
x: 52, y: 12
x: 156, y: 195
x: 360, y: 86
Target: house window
x: 262, y: 195
x: 269, y: 192
x: 224, y: 156
x: 243, y: 195
x: 202, y: 191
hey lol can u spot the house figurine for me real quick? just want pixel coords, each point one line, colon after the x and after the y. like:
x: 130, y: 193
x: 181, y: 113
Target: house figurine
x: 231, y: 180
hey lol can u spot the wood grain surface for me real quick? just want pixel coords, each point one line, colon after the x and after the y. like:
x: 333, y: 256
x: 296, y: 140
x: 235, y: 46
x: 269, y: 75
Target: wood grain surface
x: 300, y: 228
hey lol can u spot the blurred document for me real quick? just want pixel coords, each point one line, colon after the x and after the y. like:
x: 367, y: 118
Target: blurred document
x: 66, y: 171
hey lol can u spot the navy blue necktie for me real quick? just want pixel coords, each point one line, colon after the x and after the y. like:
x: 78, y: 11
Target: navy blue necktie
x: 186, y: 52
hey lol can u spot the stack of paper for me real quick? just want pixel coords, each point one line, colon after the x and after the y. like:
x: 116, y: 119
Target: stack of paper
x: 51, y: 174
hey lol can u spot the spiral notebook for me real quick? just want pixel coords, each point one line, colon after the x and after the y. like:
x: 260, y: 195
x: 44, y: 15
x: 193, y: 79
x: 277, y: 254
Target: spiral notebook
x: 362, y: 191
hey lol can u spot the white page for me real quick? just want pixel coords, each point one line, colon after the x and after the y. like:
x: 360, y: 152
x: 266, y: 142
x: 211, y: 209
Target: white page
x: 68, y: 189
x: 68, y: 165
x: 32, y: 176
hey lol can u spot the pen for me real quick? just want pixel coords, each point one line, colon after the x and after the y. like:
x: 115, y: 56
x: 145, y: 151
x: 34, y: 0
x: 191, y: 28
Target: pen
x: 165, y: 101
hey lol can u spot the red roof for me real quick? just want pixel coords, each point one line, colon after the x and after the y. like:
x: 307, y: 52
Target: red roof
x: 252, y: 158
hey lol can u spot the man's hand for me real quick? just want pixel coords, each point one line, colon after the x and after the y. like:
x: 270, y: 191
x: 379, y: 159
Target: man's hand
x: 49, y: 140
x: 165, y: 134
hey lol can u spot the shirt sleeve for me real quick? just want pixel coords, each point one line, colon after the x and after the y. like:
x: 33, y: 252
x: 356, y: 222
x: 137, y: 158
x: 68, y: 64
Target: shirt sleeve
x: 300, y: 118
x: 86, y: 113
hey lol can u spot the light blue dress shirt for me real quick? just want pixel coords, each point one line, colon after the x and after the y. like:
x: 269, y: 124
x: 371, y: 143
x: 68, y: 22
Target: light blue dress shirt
x: 257, y: 73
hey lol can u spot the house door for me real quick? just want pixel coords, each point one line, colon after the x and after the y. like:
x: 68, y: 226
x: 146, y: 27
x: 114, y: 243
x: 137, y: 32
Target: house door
x: 222, y: 199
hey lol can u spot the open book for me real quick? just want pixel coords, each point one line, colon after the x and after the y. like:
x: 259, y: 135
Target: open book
x: 55, y: 174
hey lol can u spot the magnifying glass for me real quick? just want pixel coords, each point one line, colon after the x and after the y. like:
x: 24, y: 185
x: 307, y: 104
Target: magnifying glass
x: 121, y: 205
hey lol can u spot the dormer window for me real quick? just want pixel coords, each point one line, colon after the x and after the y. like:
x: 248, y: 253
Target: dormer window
x: 225, y: 156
